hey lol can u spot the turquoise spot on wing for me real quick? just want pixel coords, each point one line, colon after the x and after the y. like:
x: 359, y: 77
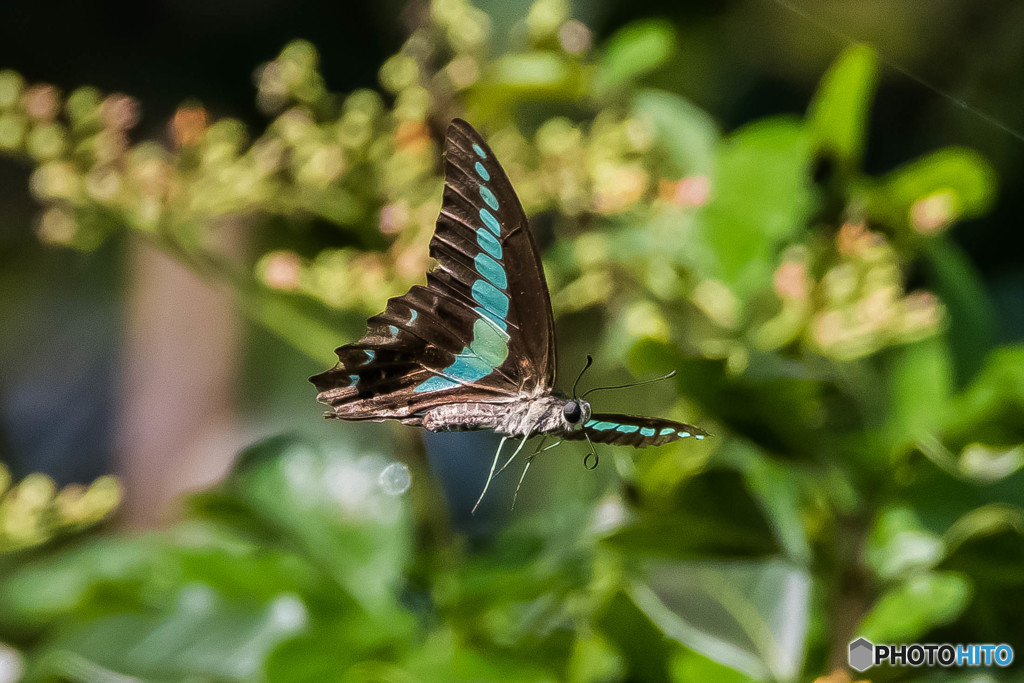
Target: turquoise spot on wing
x: 666, y: 430
x: 352, y: 379
x: 700, y: 437
x: 412, y: 316
x: 491, y: 318
x: 488, y: 243
x: 491, y: 270
x: 369, y: 356
x: 684, y: 434
x: 490, y: 221
x: 489, y: 345
x: 604, y: 426
x: 627, y: 429
x: 482, y: 172
x: 435, y: 383
x: 647, y: 431
x: 468, y: 367
x: 488, y: 196
x: 392, y: 329
x: 487, y: 350
x: 490, y: 298
x: 479, y: 151
x: 489, y: 342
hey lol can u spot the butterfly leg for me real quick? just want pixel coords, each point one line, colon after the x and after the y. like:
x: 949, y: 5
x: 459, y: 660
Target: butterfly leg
x: 490, y: 476
x: 495, y: 463
x: 515, y: 496
x: 557, y: 443
x: 529, y: 461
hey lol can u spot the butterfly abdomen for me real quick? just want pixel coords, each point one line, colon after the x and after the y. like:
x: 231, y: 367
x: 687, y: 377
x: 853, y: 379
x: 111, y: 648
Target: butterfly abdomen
x: 460, y: 417
x: 529, y: 415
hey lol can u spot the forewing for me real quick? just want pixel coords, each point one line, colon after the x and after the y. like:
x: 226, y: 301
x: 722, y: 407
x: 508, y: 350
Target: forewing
x: 487, y: 257
x: 631, y: 430
x: 481, y: 330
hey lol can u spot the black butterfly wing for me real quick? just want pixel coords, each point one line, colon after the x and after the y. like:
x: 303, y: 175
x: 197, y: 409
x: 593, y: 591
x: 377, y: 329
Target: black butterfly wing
x: 480, y: 207
x: 631, y: 430
x: 480, y: 331
x: 415, y: 356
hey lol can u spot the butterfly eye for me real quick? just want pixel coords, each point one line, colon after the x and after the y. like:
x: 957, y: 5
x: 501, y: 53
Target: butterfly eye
x: 572, y: 412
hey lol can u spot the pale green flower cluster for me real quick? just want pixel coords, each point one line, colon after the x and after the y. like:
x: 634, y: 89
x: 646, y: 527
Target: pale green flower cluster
x: 670, y: 226
x: 34, y: 510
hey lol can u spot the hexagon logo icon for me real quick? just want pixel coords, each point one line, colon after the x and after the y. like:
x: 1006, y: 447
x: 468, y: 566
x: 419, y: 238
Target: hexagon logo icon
x: 862, y: 654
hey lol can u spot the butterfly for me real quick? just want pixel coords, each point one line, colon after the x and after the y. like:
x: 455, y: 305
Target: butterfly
x: 475, y: 347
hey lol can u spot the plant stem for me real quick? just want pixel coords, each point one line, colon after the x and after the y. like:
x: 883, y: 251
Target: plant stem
x: 853, y: 591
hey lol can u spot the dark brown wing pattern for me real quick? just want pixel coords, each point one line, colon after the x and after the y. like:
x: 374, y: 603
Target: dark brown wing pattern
x: 481, y: 330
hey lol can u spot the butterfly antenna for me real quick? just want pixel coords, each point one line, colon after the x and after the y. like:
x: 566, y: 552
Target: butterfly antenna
x: 590, y: 361
x: 632, y: 384
x: 593, y: 452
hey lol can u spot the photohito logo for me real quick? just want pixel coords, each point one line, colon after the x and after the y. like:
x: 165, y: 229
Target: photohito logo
x: 864, y: 654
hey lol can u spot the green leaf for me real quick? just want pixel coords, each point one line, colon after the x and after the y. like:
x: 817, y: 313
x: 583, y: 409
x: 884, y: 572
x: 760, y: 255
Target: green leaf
x: 987, y: 545
x: 930, y: 193
x: 972, y: 315
x: 531, y: 73
x: 748, y: 616
x: 635, y: 50
x: 441, y: 659
x: 200, y: 635
x: 987, y: 464
x: 687, y: 666
x: 310, y: 657
x: 685, y: 131
x: 56, y: 586
x: 240, y: 567
x: 761, y: 197
x: 910, y: 610
x: 959, y: 285
x: 776, y: 404
x: 594, y: 659
x: 779, y: 491
x: 338, y: 641
x: 992, y: 407
x: 714, y: 516
x: 899, y: 544
x: 517, y: 78
x: 919, y: 379
x: 330, y: 505
x: 643, y: 645
x: 986, y: 521
x: 838, y: 115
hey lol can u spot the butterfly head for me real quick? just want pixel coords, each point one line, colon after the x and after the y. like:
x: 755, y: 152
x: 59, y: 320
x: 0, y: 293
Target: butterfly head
x: 575, y: 413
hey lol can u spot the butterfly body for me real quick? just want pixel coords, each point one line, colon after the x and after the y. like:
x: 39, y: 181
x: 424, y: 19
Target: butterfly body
x: 525, y: 417
x: 475, y: 347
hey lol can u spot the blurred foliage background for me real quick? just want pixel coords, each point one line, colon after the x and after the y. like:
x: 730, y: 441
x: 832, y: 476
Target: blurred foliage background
x: 807, y: 229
